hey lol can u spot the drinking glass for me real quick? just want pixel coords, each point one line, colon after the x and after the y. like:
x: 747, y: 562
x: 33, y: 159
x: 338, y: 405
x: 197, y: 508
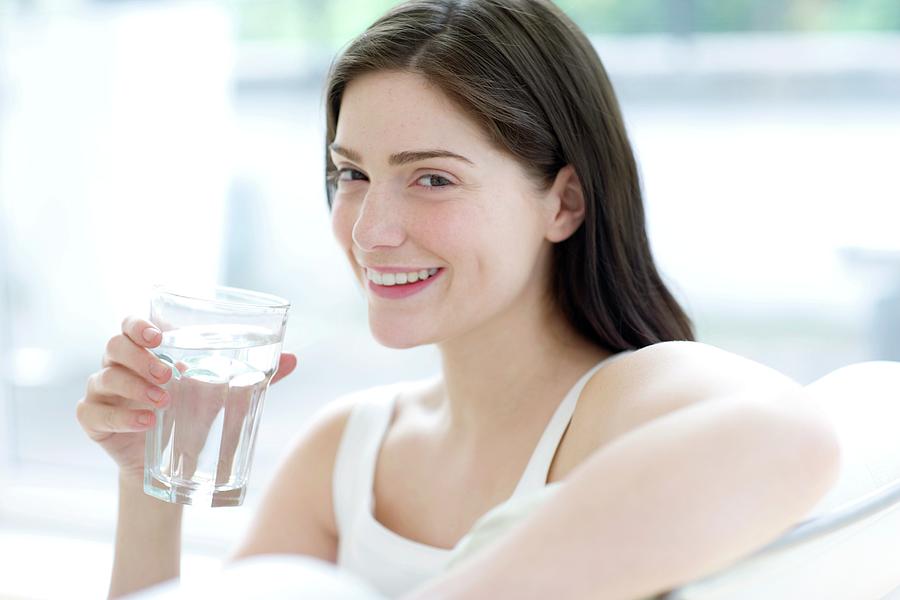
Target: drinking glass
x: 223, y: 345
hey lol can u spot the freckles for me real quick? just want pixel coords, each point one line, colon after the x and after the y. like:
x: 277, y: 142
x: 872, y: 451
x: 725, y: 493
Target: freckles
x: 448, y: 233
x: 435, y: 229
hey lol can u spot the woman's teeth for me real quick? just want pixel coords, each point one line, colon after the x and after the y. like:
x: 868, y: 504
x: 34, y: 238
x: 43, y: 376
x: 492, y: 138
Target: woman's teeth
x: 399, y: 278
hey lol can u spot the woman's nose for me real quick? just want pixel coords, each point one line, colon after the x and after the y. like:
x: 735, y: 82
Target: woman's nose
x: 379, y: 223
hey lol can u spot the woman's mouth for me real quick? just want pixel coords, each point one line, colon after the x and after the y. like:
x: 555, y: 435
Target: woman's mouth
x: 400, y: 285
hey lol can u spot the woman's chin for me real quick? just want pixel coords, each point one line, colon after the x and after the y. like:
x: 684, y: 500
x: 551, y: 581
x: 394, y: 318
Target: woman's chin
x: 398, y: 337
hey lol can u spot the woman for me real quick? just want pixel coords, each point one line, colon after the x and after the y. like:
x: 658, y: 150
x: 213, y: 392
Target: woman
x: 483, y: 188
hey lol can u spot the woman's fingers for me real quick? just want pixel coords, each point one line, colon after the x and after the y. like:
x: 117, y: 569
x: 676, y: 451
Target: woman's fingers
x: 129, y: 349
x: 117, y: 380
x: 286, y: 365
x: 122, y: 350
x: 141, y: 332
x: 100, y: 421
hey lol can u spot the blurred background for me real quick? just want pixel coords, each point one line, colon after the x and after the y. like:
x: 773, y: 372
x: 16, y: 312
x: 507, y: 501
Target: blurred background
x: 143, y: 142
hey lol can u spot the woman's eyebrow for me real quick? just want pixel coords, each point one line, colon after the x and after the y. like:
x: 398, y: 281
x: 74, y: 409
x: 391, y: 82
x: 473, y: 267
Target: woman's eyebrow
x: 402, y: 158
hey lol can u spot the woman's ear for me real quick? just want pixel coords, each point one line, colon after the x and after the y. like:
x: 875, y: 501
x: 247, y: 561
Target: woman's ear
x: 565, y: 205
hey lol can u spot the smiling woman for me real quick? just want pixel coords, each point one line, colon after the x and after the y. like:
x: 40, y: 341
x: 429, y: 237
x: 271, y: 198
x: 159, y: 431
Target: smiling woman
x: 484, y: 191
x: 483, y: 139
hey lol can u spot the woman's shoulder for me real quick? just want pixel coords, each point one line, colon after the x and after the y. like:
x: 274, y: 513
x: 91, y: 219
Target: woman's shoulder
x: 685, y: 371
x: 329, y: 421
x: 296, y: 514
x: 655, y: 380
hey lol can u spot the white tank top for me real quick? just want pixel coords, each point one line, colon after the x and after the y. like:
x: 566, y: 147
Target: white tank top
x: 391, y: 563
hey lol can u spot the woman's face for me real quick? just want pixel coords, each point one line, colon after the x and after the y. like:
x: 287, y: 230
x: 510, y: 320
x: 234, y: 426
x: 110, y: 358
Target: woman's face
x: 419, y: 187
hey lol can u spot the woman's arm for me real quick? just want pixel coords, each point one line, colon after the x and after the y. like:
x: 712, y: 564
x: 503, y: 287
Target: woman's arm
x: 148, y: 540
x: 671, y: 501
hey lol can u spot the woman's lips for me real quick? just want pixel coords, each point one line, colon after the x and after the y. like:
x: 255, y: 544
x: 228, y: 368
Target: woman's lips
x: 396, y: 292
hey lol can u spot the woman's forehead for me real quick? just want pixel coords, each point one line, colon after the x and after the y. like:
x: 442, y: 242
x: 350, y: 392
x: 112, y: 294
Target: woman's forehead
x: 400, y: 110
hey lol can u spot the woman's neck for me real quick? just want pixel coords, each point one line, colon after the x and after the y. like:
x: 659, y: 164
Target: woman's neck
x: 507, y: 374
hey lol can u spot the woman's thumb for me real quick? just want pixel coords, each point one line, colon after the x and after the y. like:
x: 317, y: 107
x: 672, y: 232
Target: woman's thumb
x: 286, y: 364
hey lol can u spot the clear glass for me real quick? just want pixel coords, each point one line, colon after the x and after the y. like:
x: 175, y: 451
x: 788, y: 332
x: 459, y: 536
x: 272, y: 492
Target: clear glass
x: 223, y: 345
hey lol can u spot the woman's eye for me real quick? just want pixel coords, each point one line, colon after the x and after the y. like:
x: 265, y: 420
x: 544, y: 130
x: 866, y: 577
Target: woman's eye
x: 433, y: 181
x: 349, y: 175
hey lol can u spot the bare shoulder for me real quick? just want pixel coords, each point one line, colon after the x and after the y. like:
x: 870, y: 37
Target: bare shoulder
x: 295, y: 515
x: 659, y: 379
x: 680, y: 372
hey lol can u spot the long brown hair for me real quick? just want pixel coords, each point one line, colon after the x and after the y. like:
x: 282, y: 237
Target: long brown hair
x: 534, y: 83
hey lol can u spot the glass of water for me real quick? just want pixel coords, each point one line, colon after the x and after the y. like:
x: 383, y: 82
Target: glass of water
x: 223, y: 345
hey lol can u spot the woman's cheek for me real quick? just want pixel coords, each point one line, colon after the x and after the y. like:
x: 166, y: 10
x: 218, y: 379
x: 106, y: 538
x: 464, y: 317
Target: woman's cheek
x: 342, y: 221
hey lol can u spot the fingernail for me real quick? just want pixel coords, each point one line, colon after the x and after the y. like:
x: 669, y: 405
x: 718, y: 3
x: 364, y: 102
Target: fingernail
x: 158, y: 369
x: 150, y: 333
x: 155, y: 394
x: 143, y: 419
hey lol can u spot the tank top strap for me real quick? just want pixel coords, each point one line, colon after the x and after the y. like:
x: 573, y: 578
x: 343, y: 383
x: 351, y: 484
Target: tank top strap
x: 355, y: 461
x: 535, y: 475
